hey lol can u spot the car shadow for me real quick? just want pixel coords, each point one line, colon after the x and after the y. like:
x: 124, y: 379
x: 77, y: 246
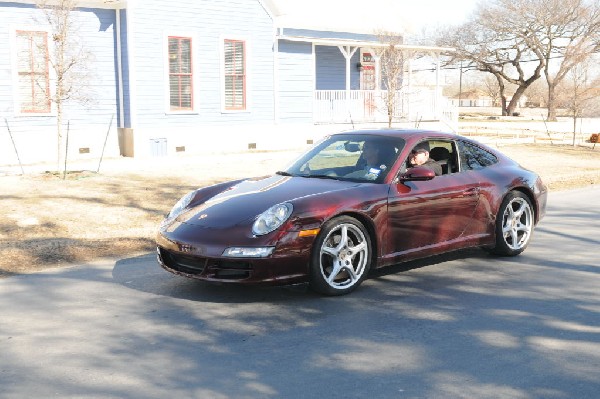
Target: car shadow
x: 470, y: 253
x: 142, y: 273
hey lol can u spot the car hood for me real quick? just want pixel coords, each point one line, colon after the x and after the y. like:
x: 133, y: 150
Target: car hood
x: 242, y: 202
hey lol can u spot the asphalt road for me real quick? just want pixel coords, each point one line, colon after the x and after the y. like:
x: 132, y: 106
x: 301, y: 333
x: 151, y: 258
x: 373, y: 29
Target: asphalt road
x: 461, y: 326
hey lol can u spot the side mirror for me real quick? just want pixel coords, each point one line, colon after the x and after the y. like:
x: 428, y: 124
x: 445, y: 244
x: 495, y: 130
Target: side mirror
x: 417, y: 174
x: 351, y: 147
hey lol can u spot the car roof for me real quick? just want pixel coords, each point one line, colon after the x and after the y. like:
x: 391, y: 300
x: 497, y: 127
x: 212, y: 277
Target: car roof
x: 401, y: 133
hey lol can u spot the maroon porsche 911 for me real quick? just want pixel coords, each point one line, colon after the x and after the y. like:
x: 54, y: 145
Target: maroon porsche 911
x: 356, y: 201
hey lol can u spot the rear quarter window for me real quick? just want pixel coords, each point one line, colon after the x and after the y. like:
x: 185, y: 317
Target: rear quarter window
x: 473, y: 157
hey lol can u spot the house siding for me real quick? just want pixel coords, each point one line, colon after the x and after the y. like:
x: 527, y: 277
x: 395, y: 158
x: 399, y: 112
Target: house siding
x: 296, y: 81
x: 35, y: 135
x: 331, y: 69
x: 209, y: 23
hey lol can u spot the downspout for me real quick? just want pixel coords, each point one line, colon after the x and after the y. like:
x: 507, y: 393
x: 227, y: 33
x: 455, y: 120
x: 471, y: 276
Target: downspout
x: 120, y: 69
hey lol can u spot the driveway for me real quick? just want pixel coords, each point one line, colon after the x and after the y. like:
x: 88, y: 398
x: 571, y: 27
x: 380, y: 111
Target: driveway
x: 465, y: 325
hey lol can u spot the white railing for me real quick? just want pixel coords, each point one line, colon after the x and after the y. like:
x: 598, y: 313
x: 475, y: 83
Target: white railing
x: 364, y: 106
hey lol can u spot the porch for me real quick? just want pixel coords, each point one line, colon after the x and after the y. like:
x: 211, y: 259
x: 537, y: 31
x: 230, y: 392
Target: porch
x: 370, y: 106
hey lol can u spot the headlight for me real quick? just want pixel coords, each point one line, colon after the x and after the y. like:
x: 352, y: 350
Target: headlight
x: 272, y: 218
x: 181, y: 204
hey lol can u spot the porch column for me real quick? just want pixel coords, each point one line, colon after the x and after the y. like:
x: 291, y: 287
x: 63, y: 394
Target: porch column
x: 409, y: 95
x: 348, y: 52
x: 437, y: 86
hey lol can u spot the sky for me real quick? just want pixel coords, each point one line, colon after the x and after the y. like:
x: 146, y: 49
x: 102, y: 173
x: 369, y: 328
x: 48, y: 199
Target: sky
x: 412, y: 15
x: 424, y: 12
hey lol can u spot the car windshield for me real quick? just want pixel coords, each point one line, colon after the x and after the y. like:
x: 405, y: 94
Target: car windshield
x: 353, y: 157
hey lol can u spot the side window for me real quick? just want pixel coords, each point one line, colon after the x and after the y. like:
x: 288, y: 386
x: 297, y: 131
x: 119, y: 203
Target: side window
x: 33, y: 71
x: 473, y: 157
x: 444, y: 153
x: 235, y: 74
x: 181, y: 79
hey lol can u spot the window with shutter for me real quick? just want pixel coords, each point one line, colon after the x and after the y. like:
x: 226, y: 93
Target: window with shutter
x: 180, y: 74
x: 33, y: 71
x: 235, y: 74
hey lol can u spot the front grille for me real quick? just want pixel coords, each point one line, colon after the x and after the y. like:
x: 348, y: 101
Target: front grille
x: 184, y: 263
x: 208, y: 268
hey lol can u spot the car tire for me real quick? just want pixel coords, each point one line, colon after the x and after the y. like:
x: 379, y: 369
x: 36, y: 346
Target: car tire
x: 514, y: 224
x: 341, y: 256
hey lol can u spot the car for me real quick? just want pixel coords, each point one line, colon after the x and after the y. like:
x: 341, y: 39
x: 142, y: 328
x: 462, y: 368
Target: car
x: 338, y: 212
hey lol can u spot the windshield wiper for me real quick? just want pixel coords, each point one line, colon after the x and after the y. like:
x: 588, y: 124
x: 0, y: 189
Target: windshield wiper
x: 283, y: 173
x: 321, y: 177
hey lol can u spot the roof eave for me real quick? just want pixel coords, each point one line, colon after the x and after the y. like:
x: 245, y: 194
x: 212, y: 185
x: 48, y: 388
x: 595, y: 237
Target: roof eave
x: 359, y: 43
x: 106, y: 4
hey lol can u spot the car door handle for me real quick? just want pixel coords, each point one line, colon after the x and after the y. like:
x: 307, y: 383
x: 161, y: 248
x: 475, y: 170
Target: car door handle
x: 471, y: 192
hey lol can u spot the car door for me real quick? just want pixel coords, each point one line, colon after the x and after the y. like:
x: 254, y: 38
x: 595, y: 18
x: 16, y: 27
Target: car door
x: 423, y: 215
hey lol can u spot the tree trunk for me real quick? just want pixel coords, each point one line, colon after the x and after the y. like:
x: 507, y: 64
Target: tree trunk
x: 501, y: 93
x: 574, y: 126
x: 504, y: 111
x: 551, y: 104
x: 514, y: 101
x: 59, y: 137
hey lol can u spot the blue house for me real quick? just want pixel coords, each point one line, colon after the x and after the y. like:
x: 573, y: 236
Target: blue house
x: 190, y: 76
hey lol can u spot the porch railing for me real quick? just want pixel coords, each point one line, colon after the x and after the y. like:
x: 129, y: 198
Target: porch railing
x: 365, y: 106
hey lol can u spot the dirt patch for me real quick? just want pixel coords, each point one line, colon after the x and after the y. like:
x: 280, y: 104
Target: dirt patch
x: 48, y: 221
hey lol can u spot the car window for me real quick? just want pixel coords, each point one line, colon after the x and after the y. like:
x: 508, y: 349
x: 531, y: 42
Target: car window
x: 473, y: 157
x: 349, y: 157
x: 444, y: 153
x: 336, y: 154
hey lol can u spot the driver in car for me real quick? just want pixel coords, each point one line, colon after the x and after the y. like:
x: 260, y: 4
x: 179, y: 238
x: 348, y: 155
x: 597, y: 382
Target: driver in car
x: 419, y: 156
x: 374, y: 164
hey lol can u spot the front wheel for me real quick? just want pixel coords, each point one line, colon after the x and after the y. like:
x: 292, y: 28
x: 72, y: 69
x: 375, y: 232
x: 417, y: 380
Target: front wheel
x: 341, y: 257
x: 514, y: 224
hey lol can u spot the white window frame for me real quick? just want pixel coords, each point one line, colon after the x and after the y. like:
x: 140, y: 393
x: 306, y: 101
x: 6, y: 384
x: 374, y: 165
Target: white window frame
x: 248, y: 55
x: 13, y: 29
x: 195, y: 76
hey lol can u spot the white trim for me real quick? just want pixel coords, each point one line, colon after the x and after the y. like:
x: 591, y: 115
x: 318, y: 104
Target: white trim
x: 275, y: 77
x: 195, y: 89
x: 103, y: 4
x: 314, y: 68
x: 132, y: 75
x: 359, y: 43
x: 121, y: 119
x: 13, y: 28
x: 247, y: 61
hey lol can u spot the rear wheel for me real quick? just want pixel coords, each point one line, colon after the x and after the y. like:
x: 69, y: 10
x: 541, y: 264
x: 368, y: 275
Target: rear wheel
x: 514, y: 224
x: 341, y: 257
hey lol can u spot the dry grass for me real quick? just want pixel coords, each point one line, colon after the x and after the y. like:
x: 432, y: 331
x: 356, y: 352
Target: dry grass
x: 48, y: 221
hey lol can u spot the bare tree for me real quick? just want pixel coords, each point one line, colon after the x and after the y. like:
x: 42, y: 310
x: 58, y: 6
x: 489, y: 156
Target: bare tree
x: 537, y: 94
x: 69, y: 61
x: 484, y: 45
x: 391, y: 61
x: 579, y: 91
x: 492, y: 89
x: 564, y: 33
x: 549, y: 36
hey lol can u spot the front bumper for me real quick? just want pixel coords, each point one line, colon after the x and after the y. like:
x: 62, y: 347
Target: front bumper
x: 288, y: 264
